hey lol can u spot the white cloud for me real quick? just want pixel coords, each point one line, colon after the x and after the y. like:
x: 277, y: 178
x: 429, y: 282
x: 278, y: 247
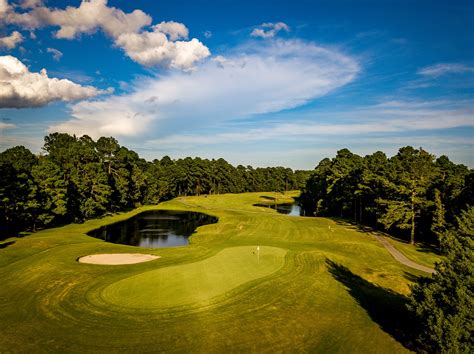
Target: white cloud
x: 57, y: 55
x: 164, y: 45
x: 4, y: 8
x: 4, y: 125
x: 87, y: 18
x: 444, y: 69
x: 273, y: 77
x: 154, y: 48
x: 269, y: 30
x: 21, y: 88
x: 174, y: 30
x: 115, y: 117
x: 11, y: 41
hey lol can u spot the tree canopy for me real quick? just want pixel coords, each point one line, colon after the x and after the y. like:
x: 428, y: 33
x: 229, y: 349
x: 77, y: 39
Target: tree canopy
x: 78, y: 178
x: 412, y: 194
x: 443, y: 304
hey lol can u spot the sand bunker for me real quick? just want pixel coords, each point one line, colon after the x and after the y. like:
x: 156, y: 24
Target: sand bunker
x: 117, y: 258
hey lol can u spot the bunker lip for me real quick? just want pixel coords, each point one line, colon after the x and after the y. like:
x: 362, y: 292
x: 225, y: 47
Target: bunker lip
x: 117, y: 258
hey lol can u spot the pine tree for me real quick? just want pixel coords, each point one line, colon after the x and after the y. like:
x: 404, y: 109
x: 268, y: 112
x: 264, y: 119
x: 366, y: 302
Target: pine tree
x: 443, y: 304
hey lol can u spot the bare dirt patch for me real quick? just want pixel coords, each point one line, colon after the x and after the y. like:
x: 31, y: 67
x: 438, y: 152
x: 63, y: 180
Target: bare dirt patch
x: 117, y: 258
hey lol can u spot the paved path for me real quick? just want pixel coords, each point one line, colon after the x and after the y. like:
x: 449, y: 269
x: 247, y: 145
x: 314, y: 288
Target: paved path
x: 400, y: 257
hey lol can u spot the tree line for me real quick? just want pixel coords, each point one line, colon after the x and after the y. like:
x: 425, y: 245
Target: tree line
x: 412, y: 194
x: 78, y: 178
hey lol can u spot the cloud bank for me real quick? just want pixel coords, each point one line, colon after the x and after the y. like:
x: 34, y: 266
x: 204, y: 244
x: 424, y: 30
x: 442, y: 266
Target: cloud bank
x: 265, y: 78
x: 20, y: 88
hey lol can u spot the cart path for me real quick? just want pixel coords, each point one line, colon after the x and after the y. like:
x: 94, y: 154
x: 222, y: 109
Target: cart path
x: 400, y: 257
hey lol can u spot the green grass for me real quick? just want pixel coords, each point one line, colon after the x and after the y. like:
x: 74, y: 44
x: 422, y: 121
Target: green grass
x: 196, y: 282
x: 314, y: 288
x: 417, y: 253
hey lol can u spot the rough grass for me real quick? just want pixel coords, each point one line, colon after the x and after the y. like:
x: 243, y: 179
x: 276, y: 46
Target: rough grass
x: 319, y: 289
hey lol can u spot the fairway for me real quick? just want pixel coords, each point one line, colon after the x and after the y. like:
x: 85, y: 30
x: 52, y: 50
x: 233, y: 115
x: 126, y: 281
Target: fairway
x: 196, y: 282
x: 316, y: 285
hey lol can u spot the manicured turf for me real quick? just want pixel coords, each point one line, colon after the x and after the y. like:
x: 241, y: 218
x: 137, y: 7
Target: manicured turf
x: 318, y: 286
x: 196, y: 282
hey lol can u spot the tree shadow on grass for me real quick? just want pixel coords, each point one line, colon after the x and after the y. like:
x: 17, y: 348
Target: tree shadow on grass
x: 6, y: 244
x: 411, y: 277
x: 384, y: 306
x: 267, y: 197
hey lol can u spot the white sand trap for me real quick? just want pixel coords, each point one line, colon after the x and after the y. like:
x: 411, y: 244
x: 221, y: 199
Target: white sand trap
x: 117, y: 258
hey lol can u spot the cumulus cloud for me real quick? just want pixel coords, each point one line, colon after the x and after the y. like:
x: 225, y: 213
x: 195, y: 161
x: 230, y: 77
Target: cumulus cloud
x: 21, y: 88
x: 11, y: 41
x: 154, y: 48
x: 269, y: 30
x: 174, y: 30
x: 164, y: 45
x: 444, y: 69
x: 4, y: 8
x: 57, y: 54
x: 87, y: 18
x: 270, y: 78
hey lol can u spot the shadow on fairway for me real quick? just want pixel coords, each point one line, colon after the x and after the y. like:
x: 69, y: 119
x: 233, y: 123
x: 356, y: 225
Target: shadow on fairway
x: 384, y: 306
x: 6, y: 244
x: 411, y: 277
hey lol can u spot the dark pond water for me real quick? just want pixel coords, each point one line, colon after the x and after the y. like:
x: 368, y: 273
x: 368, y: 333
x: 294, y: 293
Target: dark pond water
x: 292, y: 209
x: 154, y: 229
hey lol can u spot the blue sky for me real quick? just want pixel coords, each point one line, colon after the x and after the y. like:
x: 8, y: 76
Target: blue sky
x: 264, y: 83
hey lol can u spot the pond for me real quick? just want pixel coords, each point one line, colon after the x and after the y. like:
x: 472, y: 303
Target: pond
x: 154, y: 229
x: 290, y: 209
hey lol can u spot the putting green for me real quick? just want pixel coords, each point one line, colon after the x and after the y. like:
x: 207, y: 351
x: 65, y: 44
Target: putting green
x: 196, y: 282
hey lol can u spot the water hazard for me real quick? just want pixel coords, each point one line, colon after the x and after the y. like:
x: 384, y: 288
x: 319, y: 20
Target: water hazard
x: 154, y: 229
x: 290, y: 209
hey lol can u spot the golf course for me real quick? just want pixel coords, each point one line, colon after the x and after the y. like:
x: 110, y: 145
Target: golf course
x: 254, y: 281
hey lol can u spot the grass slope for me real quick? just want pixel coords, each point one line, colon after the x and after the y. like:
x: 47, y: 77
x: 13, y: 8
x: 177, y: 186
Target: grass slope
x: 322, y: 287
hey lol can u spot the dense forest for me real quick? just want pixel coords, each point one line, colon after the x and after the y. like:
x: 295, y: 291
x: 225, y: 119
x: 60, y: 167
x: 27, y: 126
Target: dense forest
x: 412, y: 194
x: 78, y: 178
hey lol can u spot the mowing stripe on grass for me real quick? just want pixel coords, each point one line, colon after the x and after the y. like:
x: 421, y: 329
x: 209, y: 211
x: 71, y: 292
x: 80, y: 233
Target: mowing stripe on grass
x: 196, y: 282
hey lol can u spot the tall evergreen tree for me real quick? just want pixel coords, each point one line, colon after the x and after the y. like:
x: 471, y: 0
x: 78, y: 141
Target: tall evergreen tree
x: 443, y: 304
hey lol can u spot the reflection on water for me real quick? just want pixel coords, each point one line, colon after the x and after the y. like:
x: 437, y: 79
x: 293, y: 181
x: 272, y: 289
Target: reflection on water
x: 292, y: 209
x: 154, y: 229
